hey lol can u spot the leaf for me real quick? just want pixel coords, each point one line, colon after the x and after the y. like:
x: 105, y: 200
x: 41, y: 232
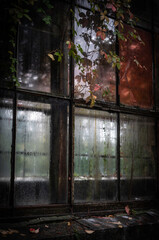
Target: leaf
x: 69, y: 45
x: 127, y: 209
x: 47, y: 20
x: 137, y: 63
x: 120, y: 226
x: 96, y: 87
x: 9, y: 231
x: 82, y: 15
x: 116, y: 23
x: 59, y: 55
x: 28, y: 17
x: 51, y: 56
x: 118, y: 66
x: 89, y: 231
x: 111, y: 6
x: 33, y: 230
x: 88, y: 99
x: 101, y: 34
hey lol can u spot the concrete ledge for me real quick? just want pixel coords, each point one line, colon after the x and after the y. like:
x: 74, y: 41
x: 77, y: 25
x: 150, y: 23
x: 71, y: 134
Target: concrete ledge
x: 141, y: 225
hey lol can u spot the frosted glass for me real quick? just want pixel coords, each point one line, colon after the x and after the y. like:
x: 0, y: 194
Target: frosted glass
x: 39, y: 156
x: 5, y: 149
x: 137, y: 140
x: 95, y: 155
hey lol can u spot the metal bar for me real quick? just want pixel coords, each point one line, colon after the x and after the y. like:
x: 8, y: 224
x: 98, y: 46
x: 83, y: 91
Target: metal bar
x: 71, y: 118
x: 118, y: 109
x: 117, y: 74
x: 157, y: 155
x: 118, y: 154
x: 13, y: 152
x: 153, y: 57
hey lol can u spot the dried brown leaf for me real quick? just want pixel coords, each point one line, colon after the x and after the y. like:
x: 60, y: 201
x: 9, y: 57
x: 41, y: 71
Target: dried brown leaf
x: 89, y: 231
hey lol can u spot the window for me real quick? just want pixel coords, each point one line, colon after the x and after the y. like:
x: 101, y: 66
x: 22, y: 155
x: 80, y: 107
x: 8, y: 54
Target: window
x: 58, y: 151
x: 136, y: 71
x: 137, y: 157
x: 97, y: 70
x: 95, y: 177
x: 6, y: 118
x: 41, y: 151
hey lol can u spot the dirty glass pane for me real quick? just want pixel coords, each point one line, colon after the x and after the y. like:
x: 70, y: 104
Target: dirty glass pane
x: 5, y: 148
x: 36, y: 70
x: 98, y: 75
x: 41, y: 152
x: 157, y: 69
x: 137, y: 140
x: 135, y: 87
x: 94, y: 156
x: 5, y: 79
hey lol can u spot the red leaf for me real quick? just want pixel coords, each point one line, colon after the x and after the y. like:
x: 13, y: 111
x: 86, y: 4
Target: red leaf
x: 127, y: 209
x: 111, y: 6
x: 103, y: 53
x: 33, y: 230
x: 97, y: 87
x: 101, y: 34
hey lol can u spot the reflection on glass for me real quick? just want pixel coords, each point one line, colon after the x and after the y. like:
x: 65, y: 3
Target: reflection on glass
x: 136, y: 70
x: 5, y: 149
x: 34, y: 66
x: 137, y: 140
x: 95, y: 155
x: 97, y: 70
x: 36, y: 70
x: 42, y: 131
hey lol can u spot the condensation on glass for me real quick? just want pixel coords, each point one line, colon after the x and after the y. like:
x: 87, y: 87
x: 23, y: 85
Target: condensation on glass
x: 135, y: 87
x: 6, y: 116
x: 94, y: 156
x: 137, y: 152
x: 97, y: 72
x: 36, y: 70
x: 41, y: 152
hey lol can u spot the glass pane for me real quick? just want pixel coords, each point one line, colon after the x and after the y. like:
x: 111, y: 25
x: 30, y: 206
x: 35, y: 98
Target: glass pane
x: 83, y: 3
x: 41, y: 152
x: 5, y: 78
x: 95, y: 156
x: 5, y: 149
x: 136, y: 71
x: 97, y: 71
x: 36, y: 70
x: 137, y: 140
x: 157, y: 69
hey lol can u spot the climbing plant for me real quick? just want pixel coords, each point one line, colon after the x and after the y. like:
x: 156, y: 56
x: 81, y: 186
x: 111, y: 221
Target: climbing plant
x: 98, y: 20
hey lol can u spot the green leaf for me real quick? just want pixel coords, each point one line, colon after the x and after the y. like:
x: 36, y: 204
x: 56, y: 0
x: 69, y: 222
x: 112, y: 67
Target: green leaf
x: 47, y: 19
x: 28, y: 17
x: 118, y: 66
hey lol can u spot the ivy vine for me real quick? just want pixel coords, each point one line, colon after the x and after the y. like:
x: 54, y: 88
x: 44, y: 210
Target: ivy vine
x: 118, y: 9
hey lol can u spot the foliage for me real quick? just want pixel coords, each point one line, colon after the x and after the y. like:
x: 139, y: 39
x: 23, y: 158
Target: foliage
x: 98, y: 21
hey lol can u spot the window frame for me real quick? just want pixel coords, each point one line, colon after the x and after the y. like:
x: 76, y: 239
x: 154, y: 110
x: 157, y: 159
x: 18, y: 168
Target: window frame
x: 116, y: 108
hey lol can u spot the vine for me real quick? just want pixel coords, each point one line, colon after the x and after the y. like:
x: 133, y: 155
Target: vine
x: 119, y: 10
